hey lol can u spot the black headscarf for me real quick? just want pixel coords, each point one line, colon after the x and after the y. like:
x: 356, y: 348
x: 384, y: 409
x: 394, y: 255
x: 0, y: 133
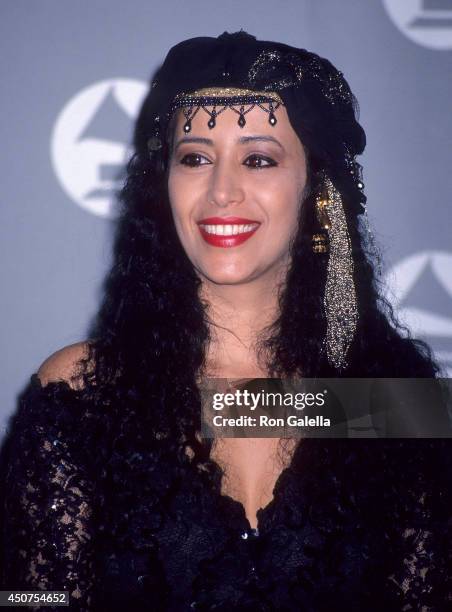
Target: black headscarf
x: 321, y: 107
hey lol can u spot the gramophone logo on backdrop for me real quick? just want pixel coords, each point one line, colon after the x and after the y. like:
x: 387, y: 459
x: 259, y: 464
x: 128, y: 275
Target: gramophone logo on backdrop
x: 90, y: 142
x: 421, y: 290
x: 426, y: 22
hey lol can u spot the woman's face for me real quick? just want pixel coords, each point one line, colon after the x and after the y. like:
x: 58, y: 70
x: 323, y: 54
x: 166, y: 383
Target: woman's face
x: 235, y: 194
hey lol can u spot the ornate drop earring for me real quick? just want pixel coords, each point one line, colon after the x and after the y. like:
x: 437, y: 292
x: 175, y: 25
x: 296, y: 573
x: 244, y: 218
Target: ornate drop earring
x: 340, y: 294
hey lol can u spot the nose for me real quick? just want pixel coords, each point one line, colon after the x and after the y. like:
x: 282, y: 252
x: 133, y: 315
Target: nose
x: 225, y: 186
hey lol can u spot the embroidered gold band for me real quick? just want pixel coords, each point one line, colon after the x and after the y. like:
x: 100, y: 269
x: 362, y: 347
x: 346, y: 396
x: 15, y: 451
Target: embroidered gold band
x: 222, y: 92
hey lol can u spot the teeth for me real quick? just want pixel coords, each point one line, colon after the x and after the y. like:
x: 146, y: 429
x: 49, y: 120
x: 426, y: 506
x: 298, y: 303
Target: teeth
x: 229, y: 230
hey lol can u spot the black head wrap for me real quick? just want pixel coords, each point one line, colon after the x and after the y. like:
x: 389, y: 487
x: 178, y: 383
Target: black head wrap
x: 320, y: 105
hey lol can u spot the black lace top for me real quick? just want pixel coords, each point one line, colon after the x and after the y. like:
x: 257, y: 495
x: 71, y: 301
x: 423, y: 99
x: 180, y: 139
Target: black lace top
x: 353, y: 525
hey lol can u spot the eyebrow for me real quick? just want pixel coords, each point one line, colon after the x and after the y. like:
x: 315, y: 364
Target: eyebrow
x: 241, y: 140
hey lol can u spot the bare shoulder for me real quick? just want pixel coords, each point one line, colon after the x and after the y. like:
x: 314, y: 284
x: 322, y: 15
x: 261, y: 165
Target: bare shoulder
x: 64, y: 365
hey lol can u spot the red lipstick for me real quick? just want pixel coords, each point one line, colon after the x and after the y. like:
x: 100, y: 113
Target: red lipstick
x: 231, y: 240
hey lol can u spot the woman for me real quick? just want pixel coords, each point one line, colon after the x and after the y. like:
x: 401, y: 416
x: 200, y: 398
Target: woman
x: 240, y: 253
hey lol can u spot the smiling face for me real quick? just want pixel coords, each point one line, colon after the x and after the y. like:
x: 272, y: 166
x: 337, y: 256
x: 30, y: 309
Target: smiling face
x: 235, y: 194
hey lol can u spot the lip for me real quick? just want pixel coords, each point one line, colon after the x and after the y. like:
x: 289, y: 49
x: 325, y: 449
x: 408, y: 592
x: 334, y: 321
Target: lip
x: 227, y: 221
x: 226, y: 241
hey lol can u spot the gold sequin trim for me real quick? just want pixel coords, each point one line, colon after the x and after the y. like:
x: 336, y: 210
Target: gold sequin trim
x: 221, y: 92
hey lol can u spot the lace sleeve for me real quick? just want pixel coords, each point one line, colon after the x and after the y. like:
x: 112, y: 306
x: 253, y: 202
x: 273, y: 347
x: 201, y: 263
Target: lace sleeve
x: 47, y: 507
x: 422, y: 577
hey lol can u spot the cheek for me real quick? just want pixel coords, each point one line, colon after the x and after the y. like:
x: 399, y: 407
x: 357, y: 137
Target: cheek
x: 174, y: 192
x: 284, y: 204
x: 171, y: 193
x: 179, y: 199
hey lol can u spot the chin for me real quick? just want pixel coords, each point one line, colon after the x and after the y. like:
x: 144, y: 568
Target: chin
x: 228, y: 277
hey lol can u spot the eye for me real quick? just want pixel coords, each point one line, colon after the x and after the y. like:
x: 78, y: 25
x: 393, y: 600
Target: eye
x: 192, y: 160
x: 259, y: 159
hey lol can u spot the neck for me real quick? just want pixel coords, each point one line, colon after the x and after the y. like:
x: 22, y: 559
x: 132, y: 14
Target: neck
x: 238, y: 314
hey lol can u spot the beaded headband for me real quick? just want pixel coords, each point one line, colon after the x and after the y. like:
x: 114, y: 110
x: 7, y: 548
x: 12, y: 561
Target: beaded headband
x: 227, y: 97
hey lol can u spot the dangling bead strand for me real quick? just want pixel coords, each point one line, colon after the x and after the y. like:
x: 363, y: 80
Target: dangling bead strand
x: 242, y: 120
x: 211, y: 122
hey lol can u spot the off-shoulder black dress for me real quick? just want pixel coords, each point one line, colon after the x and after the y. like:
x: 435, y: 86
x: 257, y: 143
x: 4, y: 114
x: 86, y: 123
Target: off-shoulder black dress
x: 359, y: 524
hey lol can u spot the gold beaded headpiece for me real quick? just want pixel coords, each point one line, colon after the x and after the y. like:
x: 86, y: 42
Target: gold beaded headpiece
x: 223, y: 97
x: 226, y: 97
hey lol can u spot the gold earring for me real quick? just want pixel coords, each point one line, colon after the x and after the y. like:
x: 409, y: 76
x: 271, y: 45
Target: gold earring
x: 320, y: 240
x: 319, y: 243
